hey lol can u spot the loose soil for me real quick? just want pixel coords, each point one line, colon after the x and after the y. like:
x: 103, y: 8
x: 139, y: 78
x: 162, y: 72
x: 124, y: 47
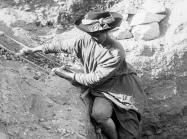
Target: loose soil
x: 36, y: 105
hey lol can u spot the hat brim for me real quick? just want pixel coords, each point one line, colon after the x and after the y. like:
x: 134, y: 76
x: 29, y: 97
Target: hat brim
x: 117, y: 21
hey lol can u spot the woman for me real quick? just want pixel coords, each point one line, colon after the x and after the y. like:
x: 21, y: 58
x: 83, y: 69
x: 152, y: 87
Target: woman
x: 116, y: 89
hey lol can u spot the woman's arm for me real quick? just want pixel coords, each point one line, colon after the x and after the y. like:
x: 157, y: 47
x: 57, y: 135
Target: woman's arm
x: 56, y: 46
x: 59, y: 45
x: 63, y: 73
x: 107, y: 66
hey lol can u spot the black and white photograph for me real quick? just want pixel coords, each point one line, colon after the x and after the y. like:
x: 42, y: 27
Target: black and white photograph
x: 93, y: 69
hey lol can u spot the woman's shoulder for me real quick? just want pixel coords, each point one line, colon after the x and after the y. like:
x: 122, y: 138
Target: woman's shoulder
x: 83, y: 35
x: 118, y: 46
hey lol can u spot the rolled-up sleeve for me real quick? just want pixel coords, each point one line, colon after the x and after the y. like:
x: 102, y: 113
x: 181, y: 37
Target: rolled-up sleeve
x: 60, y: 45
x: 107, y: 65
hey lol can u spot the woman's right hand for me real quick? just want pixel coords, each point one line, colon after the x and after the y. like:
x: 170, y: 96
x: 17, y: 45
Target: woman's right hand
x: 25, y: 50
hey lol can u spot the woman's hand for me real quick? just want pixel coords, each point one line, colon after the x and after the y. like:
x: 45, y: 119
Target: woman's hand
x: 54, y: 70
x: 61, y: 72
x: 74, y: 68
x: 28, y: 50
x: 25, y: 50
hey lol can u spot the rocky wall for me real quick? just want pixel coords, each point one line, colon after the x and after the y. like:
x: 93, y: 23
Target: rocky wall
x: 161, y: 62
x: 48, y: 107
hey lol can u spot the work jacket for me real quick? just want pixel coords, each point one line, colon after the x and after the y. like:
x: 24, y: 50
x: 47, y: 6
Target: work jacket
x: 105, y: 70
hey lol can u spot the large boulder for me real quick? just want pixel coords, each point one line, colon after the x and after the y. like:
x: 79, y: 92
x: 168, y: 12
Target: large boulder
x: 147, y: 31
x: 3, y: 135
x: 123, y: 32
x: 143, y: 17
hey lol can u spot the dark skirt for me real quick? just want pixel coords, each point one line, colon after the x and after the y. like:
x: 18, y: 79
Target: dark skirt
x: 127, y: 121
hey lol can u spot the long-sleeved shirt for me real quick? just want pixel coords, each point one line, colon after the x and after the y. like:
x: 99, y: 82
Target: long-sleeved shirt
x: 105, y: 69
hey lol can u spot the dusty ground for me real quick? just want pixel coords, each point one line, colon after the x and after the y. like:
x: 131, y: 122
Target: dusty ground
x: 45, y: 108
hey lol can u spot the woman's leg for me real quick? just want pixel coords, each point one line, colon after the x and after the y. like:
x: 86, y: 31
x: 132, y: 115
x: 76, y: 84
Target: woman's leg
x: 128, y: 123
x: 102, y: 112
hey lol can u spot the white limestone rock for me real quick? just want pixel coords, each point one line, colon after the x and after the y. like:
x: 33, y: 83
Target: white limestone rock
x: 154, y: 6
x: 147, y: 31
x: 130, y: 9
x: 121, y: 34
x: 143, y: 17
x: 124, y: 7
x: 125, y: 16
x: 125, y: 25
x: 178, y: 14
x: 126, y: 34
x: 3, y: 136
x: 177, y: 30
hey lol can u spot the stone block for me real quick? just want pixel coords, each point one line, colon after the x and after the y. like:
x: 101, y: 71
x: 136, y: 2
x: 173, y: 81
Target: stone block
x: 146, y: 31
x: 154, y: 6
x: 143, y: 17
x: 122, y: 34
x: 3, y: 136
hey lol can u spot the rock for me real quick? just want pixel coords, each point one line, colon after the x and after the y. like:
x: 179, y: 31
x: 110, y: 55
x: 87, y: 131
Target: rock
x: 177, y: 30
x: 146, y: 31
x: 37, y: 75
x: 121, y: 34
x: 146, y: 50
x: 15, y: 16
x: 125, y: 16
x: 126, y: 34
x: 124, y: 7
x: 3, y: 136
x: 153, y: 6
x: 25, y: 36
x: 143, y: 17
x: 130, y: 9
x: 27, y: 7
x: 125, y: 25
x: 178, y: 14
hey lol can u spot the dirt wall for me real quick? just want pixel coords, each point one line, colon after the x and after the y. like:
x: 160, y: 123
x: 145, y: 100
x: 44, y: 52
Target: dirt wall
x: 45, y: 108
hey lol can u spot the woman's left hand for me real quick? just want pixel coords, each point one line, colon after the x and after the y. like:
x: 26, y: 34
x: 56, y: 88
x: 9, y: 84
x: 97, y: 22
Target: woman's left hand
x: 63, y: 73
x: 54, y: 70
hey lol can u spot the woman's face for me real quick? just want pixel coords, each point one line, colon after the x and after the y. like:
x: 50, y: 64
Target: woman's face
x: 100, y: 37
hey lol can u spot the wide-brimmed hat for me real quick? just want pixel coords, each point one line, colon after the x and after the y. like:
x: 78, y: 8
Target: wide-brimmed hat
x: 94, y: 22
